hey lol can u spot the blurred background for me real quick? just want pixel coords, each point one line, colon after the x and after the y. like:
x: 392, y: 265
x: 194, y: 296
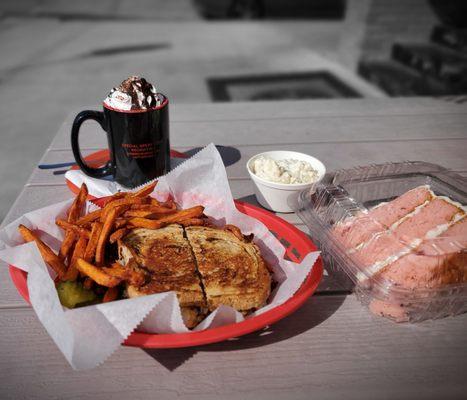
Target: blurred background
x: 59, y: 56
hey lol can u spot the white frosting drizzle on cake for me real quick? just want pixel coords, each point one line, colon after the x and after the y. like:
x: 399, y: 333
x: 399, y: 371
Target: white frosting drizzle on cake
x: 415, y: 211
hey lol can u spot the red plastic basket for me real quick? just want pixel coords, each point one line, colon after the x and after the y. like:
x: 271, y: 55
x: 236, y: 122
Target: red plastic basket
x: 297, y: 246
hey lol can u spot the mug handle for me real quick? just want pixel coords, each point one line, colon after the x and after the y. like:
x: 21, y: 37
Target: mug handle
x: 97, y: 116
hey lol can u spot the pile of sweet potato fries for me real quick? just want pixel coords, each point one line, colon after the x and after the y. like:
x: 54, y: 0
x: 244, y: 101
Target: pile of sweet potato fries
x: 84, y: 251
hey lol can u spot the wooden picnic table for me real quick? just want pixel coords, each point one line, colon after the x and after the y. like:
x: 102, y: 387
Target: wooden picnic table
x: 330, y: 348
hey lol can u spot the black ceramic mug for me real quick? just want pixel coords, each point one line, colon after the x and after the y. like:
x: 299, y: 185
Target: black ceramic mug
x: 138, y: 143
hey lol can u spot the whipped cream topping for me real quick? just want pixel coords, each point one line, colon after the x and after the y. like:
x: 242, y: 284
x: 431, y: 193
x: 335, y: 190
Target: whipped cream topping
x: 134, y: 93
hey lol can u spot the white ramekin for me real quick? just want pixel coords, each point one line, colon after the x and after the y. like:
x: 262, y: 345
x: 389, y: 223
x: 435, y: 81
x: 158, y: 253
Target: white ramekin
x: 283, y: 197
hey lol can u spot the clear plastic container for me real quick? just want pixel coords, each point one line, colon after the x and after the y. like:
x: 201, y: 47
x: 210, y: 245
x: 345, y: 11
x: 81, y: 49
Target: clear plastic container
x: 430, y: 278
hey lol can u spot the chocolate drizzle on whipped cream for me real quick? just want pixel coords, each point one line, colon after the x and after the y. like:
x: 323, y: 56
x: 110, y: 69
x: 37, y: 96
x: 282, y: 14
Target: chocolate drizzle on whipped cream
x: 134, y: 93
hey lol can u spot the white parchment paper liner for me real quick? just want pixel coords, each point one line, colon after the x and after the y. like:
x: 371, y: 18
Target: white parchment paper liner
x: 104, y: 187
x: 87, y: 336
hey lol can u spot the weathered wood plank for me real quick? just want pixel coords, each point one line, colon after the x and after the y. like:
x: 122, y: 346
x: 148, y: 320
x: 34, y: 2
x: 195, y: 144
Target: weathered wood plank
x: 194, y: 112
x: 330, y: 348
x: 309, y: 108
x: 267, y: 128
x: 449, y: 153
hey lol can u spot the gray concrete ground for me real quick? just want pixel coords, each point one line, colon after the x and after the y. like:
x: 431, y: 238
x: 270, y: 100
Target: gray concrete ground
x: 51, y: 65
x: 163, y: 10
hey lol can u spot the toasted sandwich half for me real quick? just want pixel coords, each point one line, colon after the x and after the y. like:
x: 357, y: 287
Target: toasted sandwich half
x: 167, y: 258
x: 231, y: 268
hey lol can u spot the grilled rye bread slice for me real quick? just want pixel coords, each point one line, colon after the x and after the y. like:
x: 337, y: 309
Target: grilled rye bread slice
x: 167, y: 258
x: 231, y: 268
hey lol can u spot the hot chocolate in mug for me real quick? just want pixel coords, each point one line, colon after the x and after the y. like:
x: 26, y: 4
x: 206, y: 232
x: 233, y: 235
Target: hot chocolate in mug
x: 136, y: 120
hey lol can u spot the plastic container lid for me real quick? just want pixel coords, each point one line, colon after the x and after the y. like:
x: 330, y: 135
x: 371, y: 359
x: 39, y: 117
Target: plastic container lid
x: 397, y: 234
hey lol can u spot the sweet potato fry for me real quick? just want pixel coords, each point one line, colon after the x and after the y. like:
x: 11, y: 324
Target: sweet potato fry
x: 149, y: 213
x: 118, y: 234
x: 120, y: 210
x: 169, y: 203
x: 68, y: 226
x: 96, y: 274
x: 111, y: 294
x: 78, y: 204
x: 105, y: 233
x: 235, y: 230
x: 152, y: 208
x: 121, y: 223
x: 107, y: 230
x: 179, y: 216
x: 146, y: 223
x: 67, y: 245
x: 79, y: 250
x: 162, y: 210
x: 138, y: 214
x: 193, y: 222
x: 73, y: 215
x: 88, y: 218
x: 72, y: 272
x: 92, y: 243
x: 118, y: 195
x: 193, y: 212
x: 117, y: 270
x: 126, y: 201
x: 145, y: 191
x: 154, y: 203
x: 126, y: 273
x: 140, y: 207
x: 46, y: 252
